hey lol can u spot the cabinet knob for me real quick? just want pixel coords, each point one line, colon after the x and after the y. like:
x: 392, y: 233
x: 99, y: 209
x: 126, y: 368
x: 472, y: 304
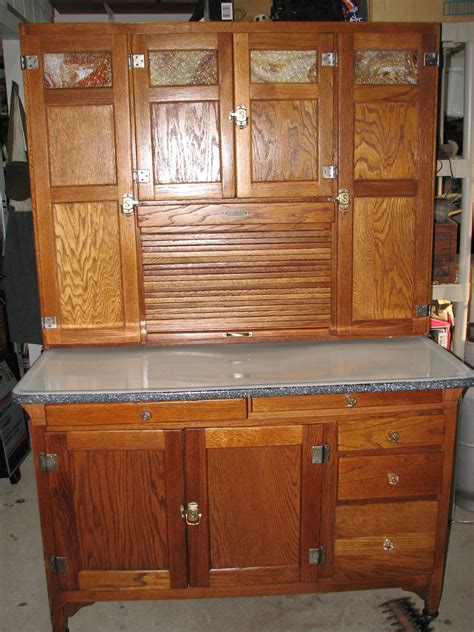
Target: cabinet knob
x: 190, y: 512
x: 393, y: 479
x: 240, y: 117
x: 350, y: 401
x: 146, y: 414
x: 393, y: 437
x: 388, y: 545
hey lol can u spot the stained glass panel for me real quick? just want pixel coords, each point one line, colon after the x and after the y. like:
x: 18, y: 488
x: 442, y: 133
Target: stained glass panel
x: 386, y: 67
x: 183, y: 68
x: 78, y: 70
x: 283, y: 66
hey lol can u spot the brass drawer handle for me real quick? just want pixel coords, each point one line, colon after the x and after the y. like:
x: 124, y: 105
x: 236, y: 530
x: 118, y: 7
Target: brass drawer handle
x: 237, y: 334
x: 146, y: 414
x: 350, y: 401
x: 393, y: 479
x: 388, y: 545
x: 393, y: 437
x: 190, y: 512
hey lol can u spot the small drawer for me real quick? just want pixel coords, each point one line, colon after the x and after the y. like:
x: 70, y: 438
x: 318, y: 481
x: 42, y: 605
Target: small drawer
x: 393, y: 476
x: 344, y: 401
x: 148, y: 412
x: 385, y: 540
x: 391, y: 431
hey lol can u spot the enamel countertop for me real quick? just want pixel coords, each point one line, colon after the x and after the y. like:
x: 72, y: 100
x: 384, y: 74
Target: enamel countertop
x: 244, y: 370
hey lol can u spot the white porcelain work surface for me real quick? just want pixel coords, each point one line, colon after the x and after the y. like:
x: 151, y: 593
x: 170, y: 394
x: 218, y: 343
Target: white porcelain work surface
x: 203, y: 371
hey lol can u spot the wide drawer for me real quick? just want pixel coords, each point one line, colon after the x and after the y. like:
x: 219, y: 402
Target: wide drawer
x: 381, y: 540
x: 394, y: 476
x: 344, y: 401
x: 161, y: 412
x: 391, y: 431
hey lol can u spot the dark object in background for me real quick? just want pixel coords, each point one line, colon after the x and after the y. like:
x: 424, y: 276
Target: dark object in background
x: 198, y: 12
x: 217, y: 10
x: 317, y: 10
x: 17, y: 180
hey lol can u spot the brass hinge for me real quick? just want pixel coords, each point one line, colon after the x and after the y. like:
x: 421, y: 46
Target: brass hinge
x: 320, y: 453
x: 29, y: 62
x: 136, y: 61
x: 317, y: 556
x: 422, y: 311
x: 48, y: 462
x: 141, y: 176
x: 57, y: 564
x: 49, y: 322
x: 329, y: 59
x: 431, y: 59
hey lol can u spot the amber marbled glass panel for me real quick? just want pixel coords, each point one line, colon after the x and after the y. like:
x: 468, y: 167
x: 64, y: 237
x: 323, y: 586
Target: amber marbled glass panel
x: 386, y: 67
x: 183, y: 68
x: 283, y: 66
x: 78, y: 70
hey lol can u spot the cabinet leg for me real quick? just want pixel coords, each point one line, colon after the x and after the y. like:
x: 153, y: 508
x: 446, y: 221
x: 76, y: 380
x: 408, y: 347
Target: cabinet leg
x: 58, y: 618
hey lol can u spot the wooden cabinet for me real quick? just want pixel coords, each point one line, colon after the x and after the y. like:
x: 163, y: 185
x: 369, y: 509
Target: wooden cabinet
x: 232, y: 142
x: 271, y: 495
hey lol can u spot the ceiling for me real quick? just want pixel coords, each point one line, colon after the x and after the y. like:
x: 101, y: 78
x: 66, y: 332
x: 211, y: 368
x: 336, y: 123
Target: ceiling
x: 123, y: 6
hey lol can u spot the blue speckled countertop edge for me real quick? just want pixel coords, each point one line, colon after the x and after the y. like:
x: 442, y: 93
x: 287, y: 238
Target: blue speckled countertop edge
x: 237, y: 393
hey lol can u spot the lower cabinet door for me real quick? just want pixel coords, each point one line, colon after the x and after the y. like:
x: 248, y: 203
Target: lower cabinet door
x: 116, y: 499
x: 264, y: 517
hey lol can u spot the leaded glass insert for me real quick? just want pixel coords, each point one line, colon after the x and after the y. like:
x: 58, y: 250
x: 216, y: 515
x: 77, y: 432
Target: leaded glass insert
x: 386, y: 67
x: 283, y: 66
x: 78, y: 70
x: 183, y: 68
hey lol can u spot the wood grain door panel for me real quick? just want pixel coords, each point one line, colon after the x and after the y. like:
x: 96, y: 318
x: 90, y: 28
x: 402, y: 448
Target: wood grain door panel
x: 116, y: 507
x: 78, y: 135
x: 261, y: 501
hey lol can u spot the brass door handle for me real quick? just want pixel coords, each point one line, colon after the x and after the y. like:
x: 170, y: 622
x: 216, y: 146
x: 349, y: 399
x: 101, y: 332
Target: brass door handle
x: 350, y: 401
x: 190, y: 512
x: 240, y: 117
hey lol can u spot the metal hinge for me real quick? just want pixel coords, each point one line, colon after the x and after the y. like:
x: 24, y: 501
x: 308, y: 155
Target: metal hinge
x: 136, y: 61
x: 48, y: 462
x: 320, y: 453
x: 329, y: 172
x: 49, y: 322
x: 329, y: 59
x: 57, y: 564
x: 317, y: 556
x: 431, y: 59
x: 423, y: 310
x: 141, y: 175
x: 29, y: 62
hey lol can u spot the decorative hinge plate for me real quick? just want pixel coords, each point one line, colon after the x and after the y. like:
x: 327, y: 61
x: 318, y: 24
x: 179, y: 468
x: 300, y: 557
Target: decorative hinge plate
x: 320, y: 453
x: 141, y: 175
x: 329, y: 172
x: 422, y: 311
x: 431, y: 59
x: 136, y: 61
x: 329, y: 59
x: 49, y: 322
x: 29, y: 62
x: 48, y: 462
x: 317, y: 556
x: 57, y: 564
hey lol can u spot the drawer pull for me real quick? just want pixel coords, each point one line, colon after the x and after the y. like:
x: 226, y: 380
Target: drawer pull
x: 146, y: 414
x: 388, y: 545
x: 237, y: 334
x: 190, y: 512
x: 393, y: 437
x: 393, y: 479
x: 351, y: 401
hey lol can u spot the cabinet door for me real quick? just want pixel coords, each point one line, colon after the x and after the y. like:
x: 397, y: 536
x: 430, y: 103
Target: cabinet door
x: 288, y: 94
x: 265, y: 507
x: 80, y: 158
x: 387, y: 163
x: 116, y: 509
x: 183, y: 95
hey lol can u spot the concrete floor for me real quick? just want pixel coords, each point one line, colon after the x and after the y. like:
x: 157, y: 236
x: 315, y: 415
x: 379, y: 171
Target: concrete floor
x: 24, y: 604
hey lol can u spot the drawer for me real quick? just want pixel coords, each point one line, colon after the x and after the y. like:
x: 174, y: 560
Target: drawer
x: 391, y: 431
x: 393, y: 476
x: 377, y: 540
x: 132, y: 413
x: 344, y: 401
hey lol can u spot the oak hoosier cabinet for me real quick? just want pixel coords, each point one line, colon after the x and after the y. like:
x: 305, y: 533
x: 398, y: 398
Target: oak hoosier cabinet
x: 229, y: 183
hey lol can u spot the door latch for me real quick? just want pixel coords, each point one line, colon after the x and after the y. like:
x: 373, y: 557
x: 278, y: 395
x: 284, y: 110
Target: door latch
x: 343, y: 200
x: 128, y: 204
x: 190, y: 512
x: 240, y: 117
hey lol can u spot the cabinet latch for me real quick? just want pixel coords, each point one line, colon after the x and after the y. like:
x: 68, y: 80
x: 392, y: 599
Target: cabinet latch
x: 57, y: 564
x: 320, y: 453
x: 190, y: 512
x: 128, y: 204
x: 317, y: 556
x: 48, y: 462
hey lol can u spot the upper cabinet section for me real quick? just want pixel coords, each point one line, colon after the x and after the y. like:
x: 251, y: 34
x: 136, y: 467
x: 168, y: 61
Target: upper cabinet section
x: 224, y: 116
